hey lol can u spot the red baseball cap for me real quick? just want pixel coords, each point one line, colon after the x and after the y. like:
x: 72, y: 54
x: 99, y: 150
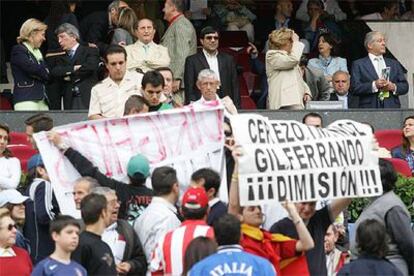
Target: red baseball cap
x: 195, y: 198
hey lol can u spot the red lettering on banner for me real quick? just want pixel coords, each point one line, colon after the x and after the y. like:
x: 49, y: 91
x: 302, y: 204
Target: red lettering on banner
x: 101, y: 148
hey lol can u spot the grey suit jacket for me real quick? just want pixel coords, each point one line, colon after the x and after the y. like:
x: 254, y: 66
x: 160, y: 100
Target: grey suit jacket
x: 318, y: 85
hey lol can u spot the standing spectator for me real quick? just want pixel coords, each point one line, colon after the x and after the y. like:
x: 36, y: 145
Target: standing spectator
x: 13, y: 260
x: 180, y: 39
x: 169, y: 252
x: 375, y: 88
x: 161, y: 215
x: 83, y: 187
x: 287, y: 89
x: 109, y: 96
x: 29, y: 70
x: 330, y: 6
x: 65, y: 233
x: 198, y: 249
x: 335, y: 258
x: 316, y: 81
x: 372, y: 237
x: 145, y: 54
x: 14, y: 202
x: 152, y: 86
x: 230, y: 255
x: 390, y: 211
x: 406, y: 150
x: 390, y: 11
x: 36, y: 123
x: 10, y: 170
x: 341, y: 81
x: 124, y: 34
x: 211, y: 58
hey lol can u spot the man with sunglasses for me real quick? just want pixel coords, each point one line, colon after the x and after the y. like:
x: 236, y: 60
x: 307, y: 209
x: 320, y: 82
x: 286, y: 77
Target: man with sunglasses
x: 210, y: 58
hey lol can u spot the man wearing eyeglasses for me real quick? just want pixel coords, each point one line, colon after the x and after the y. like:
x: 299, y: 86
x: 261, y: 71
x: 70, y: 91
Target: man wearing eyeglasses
x: 210, y: 58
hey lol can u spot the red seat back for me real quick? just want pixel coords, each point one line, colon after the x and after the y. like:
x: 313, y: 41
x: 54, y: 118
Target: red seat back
x: 401, y: 166
x: 18, y: 138
x: 23, y: 153
x: 389, y: 138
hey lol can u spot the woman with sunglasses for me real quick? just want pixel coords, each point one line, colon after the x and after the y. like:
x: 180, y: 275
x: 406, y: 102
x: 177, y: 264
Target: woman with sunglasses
x: 10, y: 170
x: 13, y: 260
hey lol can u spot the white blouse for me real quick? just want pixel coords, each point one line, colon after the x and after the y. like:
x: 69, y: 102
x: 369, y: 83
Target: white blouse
x: 10, y: 172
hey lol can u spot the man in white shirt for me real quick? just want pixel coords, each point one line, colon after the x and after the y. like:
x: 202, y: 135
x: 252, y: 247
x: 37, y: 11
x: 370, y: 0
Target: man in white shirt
x: 144, y: 54
x: 109, y: 96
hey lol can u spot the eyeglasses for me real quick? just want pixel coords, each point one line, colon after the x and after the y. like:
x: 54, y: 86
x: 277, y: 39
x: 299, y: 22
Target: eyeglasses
x: 10, y: 226
x: 211, y: 37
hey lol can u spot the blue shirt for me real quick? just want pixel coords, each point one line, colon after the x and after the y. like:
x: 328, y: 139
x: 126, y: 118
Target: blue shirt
x: 329, y: 65
x: 51, y: 267
x: 232, y: 260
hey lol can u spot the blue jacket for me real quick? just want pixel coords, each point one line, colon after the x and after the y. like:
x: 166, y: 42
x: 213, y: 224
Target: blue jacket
x: 29, y: 76
x: 368, y: 265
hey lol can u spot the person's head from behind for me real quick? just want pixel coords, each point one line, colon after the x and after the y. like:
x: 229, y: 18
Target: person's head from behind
x: 4, y: 140
x: 313, y: 119
x: 65, y: 233
x: 152, y: 85
x: 127, y: 20
x: 138, y: 169
x: 36, y: 169
x: 281, y: 39
x: 115, y: 61
x: 306, y: 209
x: 252, y: 215
x: 227, y: 230
x: 341, y: 82
x: 284, y: 8
x: 14, y: 201
x: 32, y: 32
x: 408, y: 132
x: 113, y: 203
x: 391, y: 10
x: 8, y: 229
x: 194, y: 205
x: 82, y: 187
x: 94, y: 210
x: 165, y: 183
x: 315, y: 7
x: 136, y: 104
x: 375, y: 43
x: 114, y: 9
x: 145, y: 30
x: 372, y: 239
x: 68, y: 36
x: 331, y: 236
x: 198, y: 249
x: 168, y: 76
x: 209, y: 179
x: 388, y: 175
x: 327, y: 45
x: 37, y: 123
x: 208, y: 83
x: 209, y: 39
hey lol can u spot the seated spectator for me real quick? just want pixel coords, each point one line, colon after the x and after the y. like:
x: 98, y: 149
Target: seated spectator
x: 328, y: 61
x: 335, y: 258
x: 409, y: 15
x: 313, y: 119
x: 152, y: 85
x: 331, y: 7
x: 10, y: 170
x: 236, y: 17
x: 29, y: 70
x: 14, y: 202
x: 390, y: 11
x: 171, y: 97
x: 287, y: 89
x: 230, y: 256
x: 135, y: 105
x: 124, y: 34
x: 341, y: 82
x: 65, y: 233
x: 13, y: 260
x: 371, y: 236
x: 197, y: 250
x: 316, y: 81
x: 391, y: 212
x: 406, y: 150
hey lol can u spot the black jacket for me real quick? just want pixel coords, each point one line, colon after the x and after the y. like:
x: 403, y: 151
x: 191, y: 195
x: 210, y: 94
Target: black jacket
x: 352, y: 99
x: 94, y: 28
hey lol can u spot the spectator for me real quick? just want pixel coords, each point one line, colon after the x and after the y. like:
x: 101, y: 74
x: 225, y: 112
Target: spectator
x: 169, y: 252
x: 341, y: 83
x: 236, y: 17
x: 330, y: 6
x: 390, y: 11
x: 221, y: 63
x: 257, y: 67
x: 14, y: 202
x: 65, y: 233
x: 210, y: 180
x: 10, y: 170
x: 168, y: 92
x: 135, y: 196
x: 335, y: 258
x: 83, y: 187
x: 29, y: 70
x: 406, y: 150
x: 198, y: 249
x: 41, y: 209
x: 316, y: 81
x: 161, y: 215
x: 230, y: 255
x: 313, y: 119
x: 145, y: 54
x: 36, y: 123
x: 136, y: 104
x: 377, y: 88
x: 287, y: 90
x: 121, y: 238
x: 409, y: 15
x: 372, y: 238
x: 152, y: 85
x: 93, y: 253
x: 13, y: 260
x: 180, y: 40
x: 390, y: 211
x: 328, y: 61
x: 124, y: 34
x: 109, y: 96
x: 75, y: 70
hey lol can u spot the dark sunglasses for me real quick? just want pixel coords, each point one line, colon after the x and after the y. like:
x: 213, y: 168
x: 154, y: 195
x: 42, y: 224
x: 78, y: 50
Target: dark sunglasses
x: 210, y: 37
x: 10, y: 226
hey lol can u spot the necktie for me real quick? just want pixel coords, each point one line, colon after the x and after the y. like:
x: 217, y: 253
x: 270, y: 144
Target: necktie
x: 378, y: 66
x: 71, y: 53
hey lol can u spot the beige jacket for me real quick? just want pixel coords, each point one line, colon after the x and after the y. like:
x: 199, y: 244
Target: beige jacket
x: 146, y: 57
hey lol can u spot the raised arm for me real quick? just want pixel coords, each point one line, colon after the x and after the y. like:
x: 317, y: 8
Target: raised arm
x: 305, y: 241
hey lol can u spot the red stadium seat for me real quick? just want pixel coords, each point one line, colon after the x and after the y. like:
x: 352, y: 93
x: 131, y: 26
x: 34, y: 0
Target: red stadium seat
x: 401, y: 166
x: 18, y: 138
x: 389, y: 138
x: 23, y: 153
x: 5, y: 103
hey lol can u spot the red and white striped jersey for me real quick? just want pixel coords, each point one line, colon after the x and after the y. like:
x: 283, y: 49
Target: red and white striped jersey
x: 168, y: 256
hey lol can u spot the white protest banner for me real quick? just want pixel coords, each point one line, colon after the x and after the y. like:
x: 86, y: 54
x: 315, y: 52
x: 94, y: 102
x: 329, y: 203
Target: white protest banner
x: 287, y: 160
x: 186, y: 139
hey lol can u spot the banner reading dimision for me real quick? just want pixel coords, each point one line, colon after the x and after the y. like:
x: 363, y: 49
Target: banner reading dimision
x: 287, y: 160
x: 186, y: 139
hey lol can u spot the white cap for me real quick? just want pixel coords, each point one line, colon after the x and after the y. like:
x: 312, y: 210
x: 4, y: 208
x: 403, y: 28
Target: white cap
x: 11, y: 196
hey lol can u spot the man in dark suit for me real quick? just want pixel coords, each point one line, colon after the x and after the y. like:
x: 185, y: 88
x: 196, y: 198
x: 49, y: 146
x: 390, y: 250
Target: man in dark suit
x: 341, y: 83
x: 372, y: 82
x: 76, y: 70
x: 210, y: 58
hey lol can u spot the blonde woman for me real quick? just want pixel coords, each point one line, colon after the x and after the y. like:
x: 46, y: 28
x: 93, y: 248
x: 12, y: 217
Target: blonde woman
x: 28, y: 67
x: 287, y: 89
x: 124, y: 34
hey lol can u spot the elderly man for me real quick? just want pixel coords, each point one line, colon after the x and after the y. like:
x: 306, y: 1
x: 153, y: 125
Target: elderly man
x: 75, y: 70
x: 144, y: 54
x: 109, y: 96
x: 378, y: 81
x: 341, y: 82
x: 82, y: 188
